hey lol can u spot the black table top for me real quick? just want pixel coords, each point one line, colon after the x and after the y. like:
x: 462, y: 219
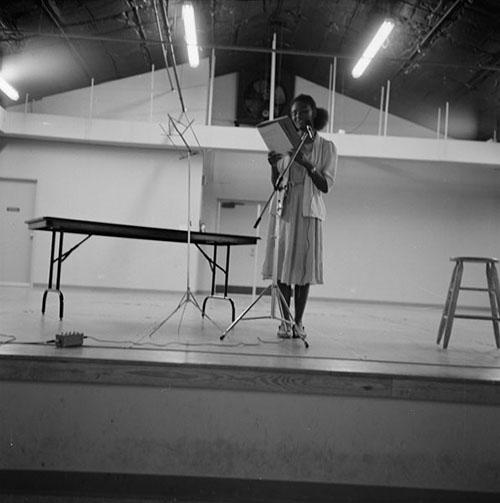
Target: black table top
x: 136, y: 232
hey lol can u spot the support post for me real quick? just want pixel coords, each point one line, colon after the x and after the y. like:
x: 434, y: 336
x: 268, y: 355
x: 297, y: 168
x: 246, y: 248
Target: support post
x: 381, y: 110
x: 211, y: 89
x: 438, y: 129
x: 387, y: 95
x: 273, y: 79
x: 152, y: 93
x: 446, y: 115
x: 332, y: 101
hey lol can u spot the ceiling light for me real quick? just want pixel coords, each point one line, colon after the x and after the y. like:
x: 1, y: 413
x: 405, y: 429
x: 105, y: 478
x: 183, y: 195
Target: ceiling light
x: 372, y: 49
x: 7, y: 89
x: 190, y: 34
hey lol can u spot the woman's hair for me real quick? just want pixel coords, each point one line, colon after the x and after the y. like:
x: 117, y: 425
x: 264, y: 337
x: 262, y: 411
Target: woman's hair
x: 320, y: 114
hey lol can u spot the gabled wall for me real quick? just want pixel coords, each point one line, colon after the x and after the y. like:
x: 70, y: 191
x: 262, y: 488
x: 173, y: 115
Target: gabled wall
x: 355, y: 117
x: 130, y: 98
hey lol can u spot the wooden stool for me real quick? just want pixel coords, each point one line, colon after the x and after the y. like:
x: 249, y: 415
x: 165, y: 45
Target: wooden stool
x: 452, y: 297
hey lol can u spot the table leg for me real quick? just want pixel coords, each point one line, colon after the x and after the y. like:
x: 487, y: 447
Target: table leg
x: 58, y: 274
x: 51, y: 271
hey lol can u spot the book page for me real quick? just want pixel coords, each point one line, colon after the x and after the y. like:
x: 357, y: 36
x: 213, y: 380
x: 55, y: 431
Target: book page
x: 279, y: 134
x: 275, y: 138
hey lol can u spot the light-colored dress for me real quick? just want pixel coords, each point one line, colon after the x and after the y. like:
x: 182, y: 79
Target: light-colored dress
x: 300, y: 253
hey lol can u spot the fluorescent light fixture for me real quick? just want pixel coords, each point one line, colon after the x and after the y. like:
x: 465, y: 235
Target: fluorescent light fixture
x: 190, y: 34
x: 372, y: 49
x: 7, y: 89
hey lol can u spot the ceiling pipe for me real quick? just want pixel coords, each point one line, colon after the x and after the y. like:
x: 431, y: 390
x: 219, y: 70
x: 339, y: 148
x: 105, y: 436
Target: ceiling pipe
x: 172, y: 54
x: 142, y: 34
x: 163, y: 48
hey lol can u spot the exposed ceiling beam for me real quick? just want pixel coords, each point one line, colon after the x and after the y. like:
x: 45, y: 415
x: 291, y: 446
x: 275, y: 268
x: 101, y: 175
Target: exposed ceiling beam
x: 426, y: 39
x: 254, y: 49
x: 58, y: 23
x: 93, y: 23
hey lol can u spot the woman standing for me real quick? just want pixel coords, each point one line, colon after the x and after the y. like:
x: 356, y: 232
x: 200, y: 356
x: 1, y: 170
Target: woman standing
x: 300, y: 258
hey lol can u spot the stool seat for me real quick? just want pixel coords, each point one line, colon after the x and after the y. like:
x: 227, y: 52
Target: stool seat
x: 483, y: 260
x: 493, y: 289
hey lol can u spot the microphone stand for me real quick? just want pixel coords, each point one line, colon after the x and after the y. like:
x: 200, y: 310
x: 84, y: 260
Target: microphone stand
x: 273, y: 288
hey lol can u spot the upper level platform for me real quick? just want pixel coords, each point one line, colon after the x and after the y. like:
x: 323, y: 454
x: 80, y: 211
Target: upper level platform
x: 128, y: 133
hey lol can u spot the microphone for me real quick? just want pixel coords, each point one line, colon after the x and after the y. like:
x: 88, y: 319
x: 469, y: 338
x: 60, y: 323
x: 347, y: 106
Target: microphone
x: 310, y: 132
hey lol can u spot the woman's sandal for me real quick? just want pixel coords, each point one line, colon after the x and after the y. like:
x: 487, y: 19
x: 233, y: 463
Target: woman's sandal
x: 299, y: 332
x: 284, y: 331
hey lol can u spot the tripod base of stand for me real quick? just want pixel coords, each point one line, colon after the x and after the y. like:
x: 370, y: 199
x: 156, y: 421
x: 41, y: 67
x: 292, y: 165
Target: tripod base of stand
x: 275, y: 294
x: 188, y: 297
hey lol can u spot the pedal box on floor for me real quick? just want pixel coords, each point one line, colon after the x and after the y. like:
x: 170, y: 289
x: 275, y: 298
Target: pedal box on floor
x: 69, y: 339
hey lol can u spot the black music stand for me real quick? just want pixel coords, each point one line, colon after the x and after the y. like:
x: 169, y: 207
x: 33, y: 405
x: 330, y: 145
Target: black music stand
x: 188, y: 296
x: 273, y: 288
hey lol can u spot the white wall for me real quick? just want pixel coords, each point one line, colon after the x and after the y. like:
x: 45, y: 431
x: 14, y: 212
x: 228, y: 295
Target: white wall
x: 358, y: 118
x: 130, y: 98
x: 392, y: 225
x: 112, y: 184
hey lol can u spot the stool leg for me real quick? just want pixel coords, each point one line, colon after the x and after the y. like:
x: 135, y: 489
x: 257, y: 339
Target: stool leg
x: 444, y: 317
x: 453, y: 304
x: 493, y: 301
x: 496, y: 284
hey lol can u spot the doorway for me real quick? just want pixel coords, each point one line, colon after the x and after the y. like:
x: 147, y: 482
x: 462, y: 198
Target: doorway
x: 17, y: 203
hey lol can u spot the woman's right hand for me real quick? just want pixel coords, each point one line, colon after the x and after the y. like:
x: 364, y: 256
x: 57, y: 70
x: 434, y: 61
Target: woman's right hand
x: 273, y: 157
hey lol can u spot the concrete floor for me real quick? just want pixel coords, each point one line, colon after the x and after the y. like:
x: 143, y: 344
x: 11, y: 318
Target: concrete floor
x: 347, y: 333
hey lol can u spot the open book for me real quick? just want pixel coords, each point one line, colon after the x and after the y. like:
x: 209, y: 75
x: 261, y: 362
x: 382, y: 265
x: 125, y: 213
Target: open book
x: 279, y: 134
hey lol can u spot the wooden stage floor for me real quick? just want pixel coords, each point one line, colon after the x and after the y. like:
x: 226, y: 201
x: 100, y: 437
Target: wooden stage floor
x: 343, y: 336
x: 391, y: 407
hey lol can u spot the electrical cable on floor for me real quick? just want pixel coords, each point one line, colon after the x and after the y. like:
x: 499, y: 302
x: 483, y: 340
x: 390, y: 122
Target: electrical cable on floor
x: 197, y: 344
x: 10, y: 337
x: 133, y: 344
x: 111, y: 341
x: 281, y: 341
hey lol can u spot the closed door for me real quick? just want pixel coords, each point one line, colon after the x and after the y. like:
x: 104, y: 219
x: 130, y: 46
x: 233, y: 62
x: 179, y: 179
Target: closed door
x: 17, y: 202
x: 238, y: 217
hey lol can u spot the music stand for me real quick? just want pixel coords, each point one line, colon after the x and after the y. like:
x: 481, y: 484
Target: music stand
x: 273, y: 288
x: 188, y: 296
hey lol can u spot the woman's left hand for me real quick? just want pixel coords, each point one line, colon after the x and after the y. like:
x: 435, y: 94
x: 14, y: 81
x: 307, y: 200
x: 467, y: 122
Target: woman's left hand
x: 303, y: 161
